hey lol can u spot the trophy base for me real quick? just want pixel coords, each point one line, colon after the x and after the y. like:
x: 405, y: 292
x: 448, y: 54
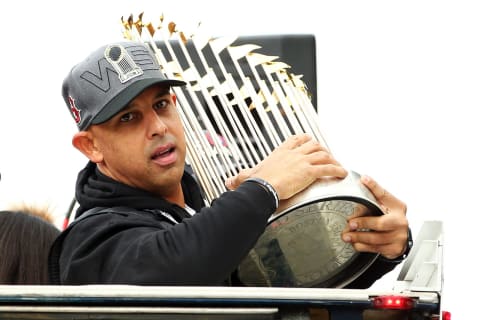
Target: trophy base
x: 302, y: 245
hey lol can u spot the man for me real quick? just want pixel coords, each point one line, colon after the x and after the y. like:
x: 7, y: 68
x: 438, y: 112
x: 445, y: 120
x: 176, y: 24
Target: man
x: 141, y: 218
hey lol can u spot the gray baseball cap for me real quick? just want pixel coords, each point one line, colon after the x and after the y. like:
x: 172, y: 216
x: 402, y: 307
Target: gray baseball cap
x: 105, y: 82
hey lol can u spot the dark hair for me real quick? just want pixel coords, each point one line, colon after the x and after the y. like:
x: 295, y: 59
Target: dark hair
x: 25, y: 239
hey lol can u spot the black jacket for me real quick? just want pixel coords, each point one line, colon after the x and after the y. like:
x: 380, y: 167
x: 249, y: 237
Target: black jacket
x: 124, y: 235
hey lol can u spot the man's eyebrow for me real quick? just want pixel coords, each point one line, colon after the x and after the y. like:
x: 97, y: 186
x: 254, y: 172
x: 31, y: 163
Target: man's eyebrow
x: 162, y: 92
x: 128, y: 106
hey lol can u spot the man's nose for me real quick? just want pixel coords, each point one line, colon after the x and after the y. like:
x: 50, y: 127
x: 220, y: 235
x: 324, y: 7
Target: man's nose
x: 156, y: 126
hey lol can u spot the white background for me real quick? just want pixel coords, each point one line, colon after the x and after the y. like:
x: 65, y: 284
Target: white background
x: 398, y: 94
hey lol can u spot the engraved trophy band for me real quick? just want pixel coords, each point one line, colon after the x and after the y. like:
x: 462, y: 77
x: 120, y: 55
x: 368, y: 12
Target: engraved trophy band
x: 302, y: 245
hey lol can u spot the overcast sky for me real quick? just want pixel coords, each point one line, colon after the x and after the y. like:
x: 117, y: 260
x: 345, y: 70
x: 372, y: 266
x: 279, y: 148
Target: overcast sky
x: 398, y: 94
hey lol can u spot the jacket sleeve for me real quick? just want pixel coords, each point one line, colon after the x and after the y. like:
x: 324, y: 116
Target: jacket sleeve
x: 201, y: 250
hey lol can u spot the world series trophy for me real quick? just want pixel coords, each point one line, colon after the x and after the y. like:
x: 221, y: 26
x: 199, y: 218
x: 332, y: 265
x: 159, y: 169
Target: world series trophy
x: 236, y: 107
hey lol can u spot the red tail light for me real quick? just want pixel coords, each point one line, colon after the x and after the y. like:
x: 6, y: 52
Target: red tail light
x: 393, y: 302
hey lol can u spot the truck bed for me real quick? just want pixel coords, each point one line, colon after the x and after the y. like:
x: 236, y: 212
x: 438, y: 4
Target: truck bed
x: 139, y: 302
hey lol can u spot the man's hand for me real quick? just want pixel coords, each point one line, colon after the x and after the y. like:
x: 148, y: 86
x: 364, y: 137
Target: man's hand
x: 388, y: 233
x: 292, y: 166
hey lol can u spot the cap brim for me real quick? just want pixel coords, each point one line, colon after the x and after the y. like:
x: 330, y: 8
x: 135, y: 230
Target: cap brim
x: 121, y: 100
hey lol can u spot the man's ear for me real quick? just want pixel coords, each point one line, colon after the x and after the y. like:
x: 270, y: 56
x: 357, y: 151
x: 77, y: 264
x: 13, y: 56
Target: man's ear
x: 83, y: 141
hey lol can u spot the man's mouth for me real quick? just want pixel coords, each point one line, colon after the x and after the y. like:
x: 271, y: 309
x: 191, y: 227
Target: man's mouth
x: 165, y: 155
x: 164, y: 152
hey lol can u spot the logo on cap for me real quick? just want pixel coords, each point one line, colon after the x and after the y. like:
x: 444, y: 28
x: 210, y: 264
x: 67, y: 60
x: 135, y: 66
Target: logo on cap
x: 74, y: 110
x: 123, y: 64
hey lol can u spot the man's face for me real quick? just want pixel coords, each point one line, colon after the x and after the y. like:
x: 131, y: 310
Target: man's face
x: 144, y: 145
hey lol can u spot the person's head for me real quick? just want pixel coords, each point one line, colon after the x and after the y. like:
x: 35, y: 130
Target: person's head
x: 127, y: 119
x: 26, y: 234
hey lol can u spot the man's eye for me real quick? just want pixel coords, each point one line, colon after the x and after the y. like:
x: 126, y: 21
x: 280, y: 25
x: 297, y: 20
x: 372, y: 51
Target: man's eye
x: 126, y: 117
x: 162, y: 104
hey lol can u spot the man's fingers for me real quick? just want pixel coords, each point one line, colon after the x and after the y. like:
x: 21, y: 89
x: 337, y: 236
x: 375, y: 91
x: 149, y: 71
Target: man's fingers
x: 232, y: 183
x: 329, y: 170
x: 378, y: 191
x: 322, y: 158
x: 362, y: 247
x: 382, y: 195
x: 312, y: 146
x: 377, y: 234
x: 383, y: 223
x: 295, y: 141
x: 367, y: 237
x: 389, y: 251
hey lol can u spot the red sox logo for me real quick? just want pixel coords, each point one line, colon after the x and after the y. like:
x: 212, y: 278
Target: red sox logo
x: 74, y: 110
